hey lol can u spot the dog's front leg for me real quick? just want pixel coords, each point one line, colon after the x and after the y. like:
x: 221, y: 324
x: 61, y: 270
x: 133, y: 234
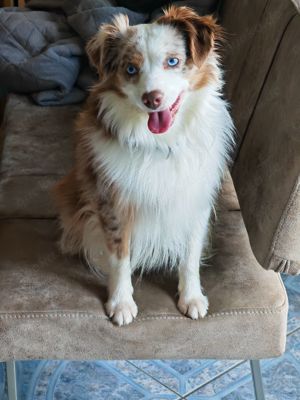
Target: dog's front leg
x: 117, y: 231
x: 192, y: 301
x: 120, y: 306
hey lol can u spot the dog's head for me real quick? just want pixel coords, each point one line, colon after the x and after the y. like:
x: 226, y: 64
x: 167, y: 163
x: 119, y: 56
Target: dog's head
x: 154, y: 65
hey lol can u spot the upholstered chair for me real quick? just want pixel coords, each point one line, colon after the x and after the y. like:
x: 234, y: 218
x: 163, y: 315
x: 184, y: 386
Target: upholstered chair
x: 52, y: 307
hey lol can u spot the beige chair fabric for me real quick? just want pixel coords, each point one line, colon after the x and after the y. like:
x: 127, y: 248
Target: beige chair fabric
x: 37, y: 152
x: 53, y: 307
x: 266, y: 172
x: 254, y: 29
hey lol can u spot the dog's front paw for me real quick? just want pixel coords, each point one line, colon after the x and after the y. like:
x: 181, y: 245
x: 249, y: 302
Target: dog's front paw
x: 193, y: 307
x: 122, y: 312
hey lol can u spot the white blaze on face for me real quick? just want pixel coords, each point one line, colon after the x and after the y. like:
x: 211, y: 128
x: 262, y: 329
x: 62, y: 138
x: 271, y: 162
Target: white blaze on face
x: 157, y: 44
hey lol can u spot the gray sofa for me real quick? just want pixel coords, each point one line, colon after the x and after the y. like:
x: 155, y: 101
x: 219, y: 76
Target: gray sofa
x: 52, y: 306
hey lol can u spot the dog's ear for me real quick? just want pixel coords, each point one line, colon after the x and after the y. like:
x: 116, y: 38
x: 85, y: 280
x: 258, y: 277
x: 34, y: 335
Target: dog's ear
x: 103, y: 48
x: 200, y: 33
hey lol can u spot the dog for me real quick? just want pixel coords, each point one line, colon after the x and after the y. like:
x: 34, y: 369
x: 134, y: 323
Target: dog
x: 152, y: 144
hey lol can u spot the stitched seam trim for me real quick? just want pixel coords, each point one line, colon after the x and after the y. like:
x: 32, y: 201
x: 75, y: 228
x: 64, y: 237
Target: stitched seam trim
x: 84, y: 314
x: 71, y: 315
x: 282, y: 222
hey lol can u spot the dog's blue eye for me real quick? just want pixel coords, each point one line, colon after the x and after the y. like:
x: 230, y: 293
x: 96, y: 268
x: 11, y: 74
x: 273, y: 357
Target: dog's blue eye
x: 131, y: 70
x: 172, y: 62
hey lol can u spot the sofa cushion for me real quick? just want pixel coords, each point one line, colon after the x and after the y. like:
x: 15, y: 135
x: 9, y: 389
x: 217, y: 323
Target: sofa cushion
x: 51, y: 306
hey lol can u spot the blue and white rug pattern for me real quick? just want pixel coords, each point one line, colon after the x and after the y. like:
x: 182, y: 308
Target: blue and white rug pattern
x: 164, y: 379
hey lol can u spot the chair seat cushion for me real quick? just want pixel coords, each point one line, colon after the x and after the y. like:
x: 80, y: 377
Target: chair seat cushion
x: 52, y: 306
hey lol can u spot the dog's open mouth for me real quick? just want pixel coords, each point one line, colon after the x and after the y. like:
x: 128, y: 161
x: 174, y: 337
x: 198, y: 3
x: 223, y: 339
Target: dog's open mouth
x: 160, y: 121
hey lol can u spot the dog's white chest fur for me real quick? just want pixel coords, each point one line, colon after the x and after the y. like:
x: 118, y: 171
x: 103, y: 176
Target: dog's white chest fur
x: 171, y: 183
x: 166, y: 215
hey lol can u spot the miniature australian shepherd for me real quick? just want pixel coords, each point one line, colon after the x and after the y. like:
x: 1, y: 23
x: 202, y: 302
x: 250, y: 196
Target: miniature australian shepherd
x: 151, y: 147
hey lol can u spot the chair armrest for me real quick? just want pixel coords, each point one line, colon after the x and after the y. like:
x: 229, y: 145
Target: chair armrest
x: 267, y: 169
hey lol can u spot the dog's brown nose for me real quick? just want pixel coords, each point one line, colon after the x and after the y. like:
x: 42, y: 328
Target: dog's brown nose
x: 152, y: 99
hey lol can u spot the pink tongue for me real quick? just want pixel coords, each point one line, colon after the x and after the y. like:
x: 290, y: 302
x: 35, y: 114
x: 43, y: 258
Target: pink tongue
x: 159, y: 122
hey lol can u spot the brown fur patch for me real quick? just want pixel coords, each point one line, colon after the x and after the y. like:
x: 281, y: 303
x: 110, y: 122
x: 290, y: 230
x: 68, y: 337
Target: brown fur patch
x: 103, y: 49
x: 74, y: 212
x: 131, y: 57
x: 116, y: 226
x: 202, y: 77
x: 111, y: 50
x: 86, y: 193
x: 200, y: 33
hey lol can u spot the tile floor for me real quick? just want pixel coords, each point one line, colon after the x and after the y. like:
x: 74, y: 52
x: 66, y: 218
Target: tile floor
x: 164, y: 379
